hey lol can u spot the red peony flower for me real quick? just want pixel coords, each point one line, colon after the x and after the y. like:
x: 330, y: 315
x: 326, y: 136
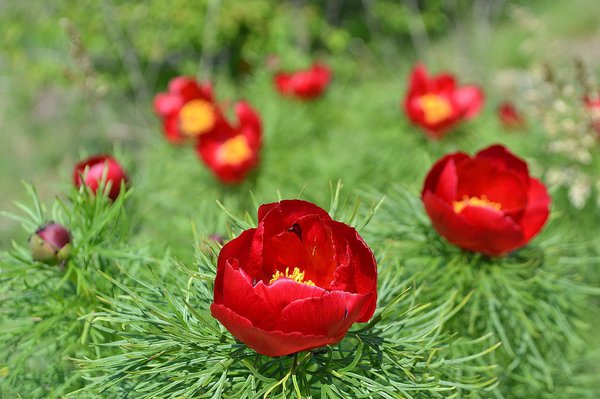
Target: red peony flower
x: 487, y: 203
x: 436, y: 104
x: 231, y: 152
x: 306, y: 85
x: 50, y: 243
x: 510, y: 117
x: 188, y: 109
x: 296, y: 282
x: 92, y: 171
x: 592, y: 105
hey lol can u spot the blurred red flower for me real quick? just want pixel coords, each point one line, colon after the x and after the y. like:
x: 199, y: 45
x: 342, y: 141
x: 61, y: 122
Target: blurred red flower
x: 100, y: 168
x: 187, y: 109
x: 510, y: 117
x: 436, y: 104
x: 297, y: 281
x: 230, y: 152
x: 487, y: 203
x: 592, y: 105
x: 306, y: 84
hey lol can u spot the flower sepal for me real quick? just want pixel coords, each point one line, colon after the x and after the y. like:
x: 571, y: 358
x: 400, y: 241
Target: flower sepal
x: 50, y: 244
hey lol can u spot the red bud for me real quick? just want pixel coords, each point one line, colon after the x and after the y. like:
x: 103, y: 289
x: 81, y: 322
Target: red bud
x: 50, y: 243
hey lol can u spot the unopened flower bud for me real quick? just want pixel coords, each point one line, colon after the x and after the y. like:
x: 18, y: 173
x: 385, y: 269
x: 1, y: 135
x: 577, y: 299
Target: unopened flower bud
x: 98, y: 170
x: 217, y: 238
x: 50, y: 243
x: 207, y: 244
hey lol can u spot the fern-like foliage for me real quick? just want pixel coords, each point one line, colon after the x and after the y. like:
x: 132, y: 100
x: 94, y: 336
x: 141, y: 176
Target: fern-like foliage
x: 171, y: 347
x: 533, y: 301
x: 44, y: 308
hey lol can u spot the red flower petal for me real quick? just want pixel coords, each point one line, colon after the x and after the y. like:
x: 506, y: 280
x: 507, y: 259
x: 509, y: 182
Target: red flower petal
x: 307, y: 245
x: 284, y: 291
x: 179, y: 84
x: 272, y: 343
x: 305, y: 84
x: 537, y: 210
x: 321, y: 75
x: 187, y: 88
x: 510, y: 117
x: 479, y: 177
x: 357, y: 270
x: 498, y: 234
x: 239, y: 296
x: 316, y: 237
x: 469, y: 100
x: 442, y: 179
x: 504, y: 159
x: 282, y: 82
x: 286, y: 250
x: 419, y: 81
x: 432, y: 178
x: 447, y: 184
x: 443, y: 83
x: 310, y: 248
x: 286, y: 212
x: 171, y: 129
x: 412, y: 106
x: 167, y: 104
x: 255, y: 261
x: 249, y: 123
x: 330, y: 315
x: 238, y: 248
x: 476, y: 228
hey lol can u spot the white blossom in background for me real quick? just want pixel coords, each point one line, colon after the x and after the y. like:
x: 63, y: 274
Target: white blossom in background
x: 554, y: 98
x: 579, y: 193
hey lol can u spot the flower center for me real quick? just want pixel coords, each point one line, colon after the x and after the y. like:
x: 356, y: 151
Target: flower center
x: 296, y: 275
x: 483, y: 202
x: 196, y: 117
x: 235, y: 150
x: 435, y: 108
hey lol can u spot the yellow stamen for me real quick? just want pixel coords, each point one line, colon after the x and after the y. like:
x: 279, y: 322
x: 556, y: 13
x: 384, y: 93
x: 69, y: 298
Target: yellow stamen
x: 296, y: 275
x: 435, y: 108
x: 475, y: 201
x: 235, y: 150
x: 196, y: 117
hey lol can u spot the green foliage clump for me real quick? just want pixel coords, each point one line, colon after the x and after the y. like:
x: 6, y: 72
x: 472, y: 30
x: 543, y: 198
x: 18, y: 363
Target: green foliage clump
x: 533, y: 301
x: 45, y: 310
x: 127, y: 41
x: 172, y: 347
